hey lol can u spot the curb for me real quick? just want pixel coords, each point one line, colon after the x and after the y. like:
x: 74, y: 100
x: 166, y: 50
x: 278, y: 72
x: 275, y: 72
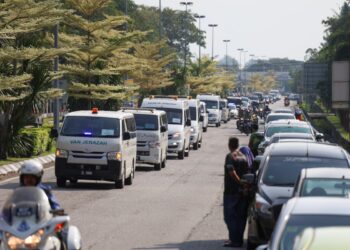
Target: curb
x: 14, y: 167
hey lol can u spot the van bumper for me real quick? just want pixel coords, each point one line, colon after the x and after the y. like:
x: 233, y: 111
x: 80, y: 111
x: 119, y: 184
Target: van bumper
x: 175, y: 146
x: 150, y: 156
x: 110, y: 172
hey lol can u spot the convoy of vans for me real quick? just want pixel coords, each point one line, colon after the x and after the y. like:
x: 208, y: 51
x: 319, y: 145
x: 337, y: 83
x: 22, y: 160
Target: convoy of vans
x: 107, y: 145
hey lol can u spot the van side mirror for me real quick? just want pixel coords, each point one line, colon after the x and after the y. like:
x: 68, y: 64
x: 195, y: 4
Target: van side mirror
x: 54, y: 133
x: 319, y: 136
x: 188, y: 122
x: 126, y: 136
x: 201, y: 118
x: 163, y: 129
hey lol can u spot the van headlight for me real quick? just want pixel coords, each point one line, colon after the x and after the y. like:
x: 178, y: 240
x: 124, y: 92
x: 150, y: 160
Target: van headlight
x: 193, y: 130
x: 262, y: 205
x: 114, y: 156
x: 61, y: 153
x: 31, y: 242
x: 154, y: 144
x: 177, y: 136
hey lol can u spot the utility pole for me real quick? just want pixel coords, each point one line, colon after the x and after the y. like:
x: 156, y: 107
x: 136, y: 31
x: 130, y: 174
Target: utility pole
x: 213, y: 26
x: 226, y: 42
x: 240, y: 68
x: 56, y: 104
x: 199, y: 17
x: 160, y: 20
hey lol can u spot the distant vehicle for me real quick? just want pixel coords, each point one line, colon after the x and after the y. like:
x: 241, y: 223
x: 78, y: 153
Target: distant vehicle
x: 330, y: 182
x: 213, y: 106
x: 196, y: 124
x: 285, y: 110
x: 152, y: 136
x: 294, y: 97
x: 179, y: 122
x: 260, y: 95
x: 235, y: 100
x: 279, y: 116
x: 233, y: 110
x: 204, y: 113
x: 224, y: 110
x: 323, y: 238
x: 279, y: 169
x: 246, y: 99
x: 96, y: 145
x: 299, y: 214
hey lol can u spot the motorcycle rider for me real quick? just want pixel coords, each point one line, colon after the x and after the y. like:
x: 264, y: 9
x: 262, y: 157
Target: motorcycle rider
x: 30, y: 174
x: 298, y: 114
x: 267, y: 109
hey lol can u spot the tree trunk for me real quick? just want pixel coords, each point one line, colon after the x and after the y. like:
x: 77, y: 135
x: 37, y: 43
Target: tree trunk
x: 4, y: 126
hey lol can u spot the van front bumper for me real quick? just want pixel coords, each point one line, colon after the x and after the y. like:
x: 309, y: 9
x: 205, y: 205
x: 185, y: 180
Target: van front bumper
x: 150, y: 156
x: 175, y: 146
x: 110, y: 172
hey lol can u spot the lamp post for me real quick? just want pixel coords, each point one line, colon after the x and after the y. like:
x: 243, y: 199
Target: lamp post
x: 213, y: 26
x: 226, y: 42
x: 240, y: 68
x: 199, y: 17
x: 160, y: 19
x: 56, y: 104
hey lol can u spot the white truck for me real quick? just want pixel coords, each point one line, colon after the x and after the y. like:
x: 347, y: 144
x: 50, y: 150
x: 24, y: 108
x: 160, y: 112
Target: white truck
x: 96, y: 145
x: 152, y: 136
x: 213, y: 106
x: 179, y: 122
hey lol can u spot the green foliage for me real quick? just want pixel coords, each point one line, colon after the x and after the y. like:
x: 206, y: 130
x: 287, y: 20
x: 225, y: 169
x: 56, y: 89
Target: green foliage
x: 39, y: 139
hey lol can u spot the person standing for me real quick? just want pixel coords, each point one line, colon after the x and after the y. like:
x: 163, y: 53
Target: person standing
x: 235, y: 200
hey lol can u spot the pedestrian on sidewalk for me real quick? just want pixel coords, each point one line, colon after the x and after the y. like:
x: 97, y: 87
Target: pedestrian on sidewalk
x: 235, y: 198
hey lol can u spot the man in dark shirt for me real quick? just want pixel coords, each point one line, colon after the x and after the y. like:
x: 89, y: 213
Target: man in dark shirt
x: 235, y: 201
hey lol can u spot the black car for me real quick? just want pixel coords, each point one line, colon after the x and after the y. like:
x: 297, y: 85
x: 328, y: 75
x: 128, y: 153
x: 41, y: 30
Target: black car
x: 279, y: 169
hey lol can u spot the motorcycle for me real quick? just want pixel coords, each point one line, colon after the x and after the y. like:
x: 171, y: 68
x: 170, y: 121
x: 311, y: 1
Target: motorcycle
x: 27, y: 223
x: 286, y: 102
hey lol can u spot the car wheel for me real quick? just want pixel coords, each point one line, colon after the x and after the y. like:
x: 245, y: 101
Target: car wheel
x: 73, y: 181
x: 217, y: 124
x: 61, y: 182
x: 205, y: 129
x: 196, y: 145
x: 130, y: 179
x: 164, y: 162
x: 181, y: 154
x: 187, y: 152
x: 121, y: 182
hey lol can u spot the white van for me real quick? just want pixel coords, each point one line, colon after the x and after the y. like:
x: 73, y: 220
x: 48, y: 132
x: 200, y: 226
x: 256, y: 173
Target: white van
x: 204, y: 113
x: 224, y: 110
x: 213, y: 106
x: 152, y: 136
x: 196, y: 122
x: 179, y: 122
x: 96, y: 145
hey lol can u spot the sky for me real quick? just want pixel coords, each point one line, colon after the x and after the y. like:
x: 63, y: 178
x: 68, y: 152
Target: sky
x: 264, y: 28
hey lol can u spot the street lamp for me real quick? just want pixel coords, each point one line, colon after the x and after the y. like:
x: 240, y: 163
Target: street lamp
x: 226, y: 42
x: 240, y: 68
x: 199, y: 17
x: 213, y: 26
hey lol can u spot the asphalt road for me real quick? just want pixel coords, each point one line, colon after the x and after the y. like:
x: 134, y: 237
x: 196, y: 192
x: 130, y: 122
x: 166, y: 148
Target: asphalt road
x: 179, y: 207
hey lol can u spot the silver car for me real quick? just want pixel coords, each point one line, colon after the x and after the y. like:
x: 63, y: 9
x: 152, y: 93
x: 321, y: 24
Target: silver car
x: 305, y: 212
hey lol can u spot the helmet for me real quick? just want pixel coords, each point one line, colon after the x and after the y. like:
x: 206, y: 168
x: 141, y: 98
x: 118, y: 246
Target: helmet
x: 298, y: 112
x: 31, y: 167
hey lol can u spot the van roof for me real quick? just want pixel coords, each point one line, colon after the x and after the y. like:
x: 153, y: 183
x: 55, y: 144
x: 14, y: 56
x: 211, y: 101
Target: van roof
x: 150, y: 111
x: 165, y: 103
x: 100, y: 113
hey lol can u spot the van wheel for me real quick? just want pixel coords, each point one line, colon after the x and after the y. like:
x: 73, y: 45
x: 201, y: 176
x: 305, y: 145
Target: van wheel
x: 205, y: 129
x: 61, y: 182
x: 200, y: 143
x: 217, y: 124
x: 121, y: 182
x: 73, y: 181
x: 225, y: 121
x: 157, y: 166
x: 196, y: 145
x: 181, y: 154
x: 187, y: 152
x: 164, y: 162
x: 130, y: 179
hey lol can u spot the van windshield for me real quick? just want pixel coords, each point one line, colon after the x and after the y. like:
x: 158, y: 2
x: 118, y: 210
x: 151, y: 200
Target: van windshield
x: 174, y: 115
x: 146, y: 122
x: 211, y: 104
x: 87, y: 126
x: 193, y: 113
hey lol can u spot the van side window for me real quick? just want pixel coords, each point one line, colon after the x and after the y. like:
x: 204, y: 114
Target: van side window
x: 131, y: 126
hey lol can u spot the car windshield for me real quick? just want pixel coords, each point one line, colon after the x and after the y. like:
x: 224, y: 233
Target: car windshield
x: 235, y: 101
x: 326, y: 187
x: 193, y: 113
x: 211, y: 104
x: 284, y: 170
x: 174, y: 115
x: 146, y: 122
x: 271, y: 118
x: 88, y: 126
x: 275, y: 139
x: 297, y: 223
x: 287, y: 129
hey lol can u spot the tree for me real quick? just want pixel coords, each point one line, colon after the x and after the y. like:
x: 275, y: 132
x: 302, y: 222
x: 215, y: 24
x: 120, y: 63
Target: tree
x: 262, y: 83
x: 23, y: 48
x: 100, y: 41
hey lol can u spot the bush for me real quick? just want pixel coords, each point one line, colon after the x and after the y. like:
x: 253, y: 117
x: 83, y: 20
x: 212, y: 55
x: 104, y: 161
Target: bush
x: 40, y: 141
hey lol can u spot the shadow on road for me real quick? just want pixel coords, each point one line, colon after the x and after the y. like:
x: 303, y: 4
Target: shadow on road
x: 191, y: 245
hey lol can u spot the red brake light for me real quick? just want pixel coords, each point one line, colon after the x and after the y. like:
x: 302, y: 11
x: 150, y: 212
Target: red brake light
x: 94, y: 110
x: 59, y: 227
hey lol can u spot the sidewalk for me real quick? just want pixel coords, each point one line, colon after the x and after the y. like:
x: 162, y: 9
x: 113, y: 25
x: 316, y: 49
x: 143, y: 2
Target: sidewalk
x: 14, y: 167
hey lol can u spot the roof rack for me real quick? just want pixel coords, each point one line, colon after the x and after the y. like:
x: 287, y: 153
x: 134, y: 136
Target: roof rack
x: 185, y: 97
x: 123, y: 109
x: 175, y: 97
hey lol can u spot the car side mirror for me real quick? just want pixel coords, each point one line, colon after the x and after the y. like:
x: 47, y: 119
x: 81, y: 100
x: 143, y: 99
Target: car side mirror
x: 54, y: 133
x: 163, y: 129
x: 319, y: 136
x: 188, y: 122
x: 126, y: 136
x: 256, y: 163
x: 201, y: 118
x: 262, y: 247
x: 248, y: 178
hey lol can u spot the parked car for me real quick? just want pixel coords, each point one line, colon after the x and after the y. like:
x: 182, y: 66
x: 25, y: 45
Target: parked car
x: 278, y: 172
x: 328, y: 182
x: 305, y: 212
